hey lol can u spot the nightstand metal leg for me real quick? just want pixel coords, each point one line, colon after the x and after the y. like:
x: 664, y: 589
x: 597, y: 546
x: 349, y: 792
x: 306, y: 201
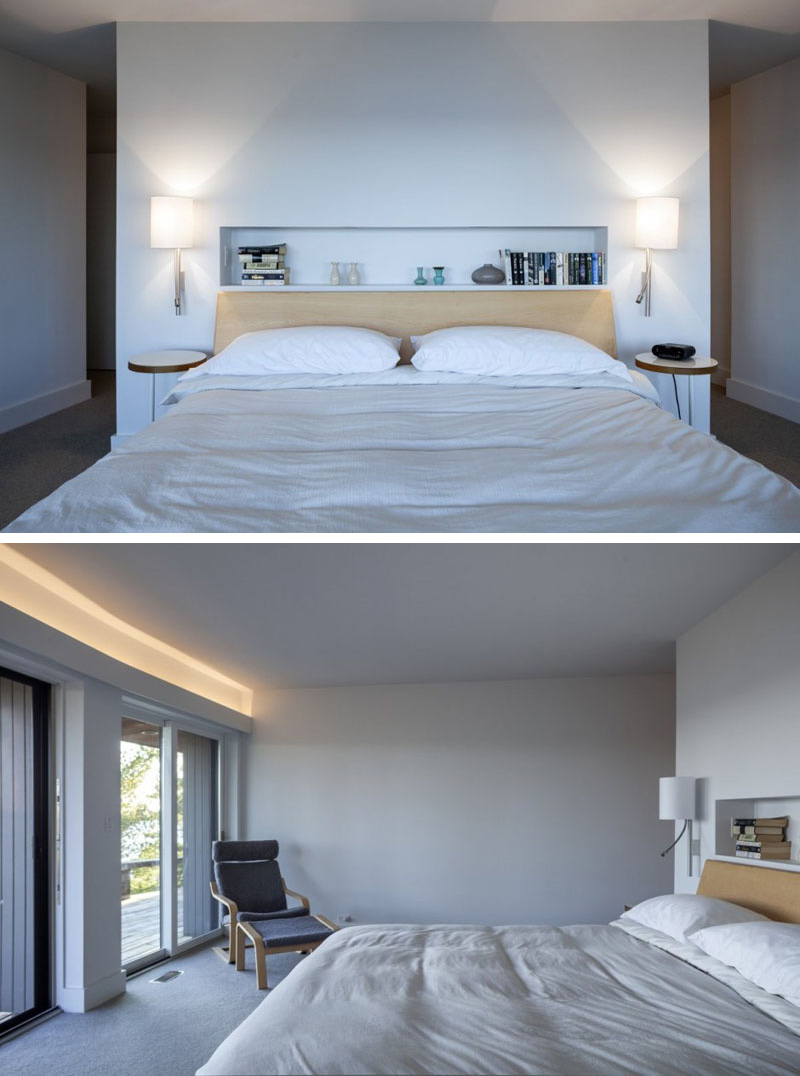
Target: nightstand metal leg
x: 153, y: 398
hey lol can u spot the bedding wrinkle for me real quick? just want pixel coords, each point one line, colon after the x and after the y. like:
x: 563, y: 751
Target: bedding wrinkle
x: 504, y: 1000
x: 519, y: 455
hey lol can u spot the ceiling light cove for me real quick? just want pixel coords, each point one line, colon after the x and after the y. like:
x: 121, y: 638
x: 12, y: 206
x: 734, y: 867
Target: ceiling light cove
x: 38, y: 593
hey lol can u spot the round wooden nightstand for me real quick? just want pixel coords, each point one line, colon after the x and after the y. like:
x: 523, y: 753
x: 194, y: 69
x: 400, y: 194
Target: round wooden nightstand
x: 164, y: 362
x: 698, y: 364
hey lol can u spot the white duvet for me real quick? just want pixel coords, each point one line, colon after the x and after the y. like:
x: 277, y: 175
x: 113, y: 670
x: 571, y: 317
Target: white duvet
x: 503, y: 1000
x: 407, y: 450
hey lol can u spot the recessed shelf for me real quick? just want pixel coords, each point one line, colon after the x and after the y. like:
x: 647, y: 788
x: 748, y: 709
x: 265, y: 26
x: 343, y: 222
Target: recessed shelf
x: 757, y: 807
x: 394, y: 253
x: 413, y: 287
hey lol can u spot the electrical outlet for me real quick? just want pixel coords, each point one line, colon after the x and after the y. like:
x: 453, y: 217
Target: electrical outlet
x: 344, y: 919
x: 109, y: 823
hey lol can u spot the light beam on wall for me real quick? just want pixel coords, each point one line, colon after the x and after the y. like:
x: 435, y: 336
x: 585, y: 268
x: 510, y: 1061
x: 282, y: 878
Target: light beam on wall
x: 26, y: 586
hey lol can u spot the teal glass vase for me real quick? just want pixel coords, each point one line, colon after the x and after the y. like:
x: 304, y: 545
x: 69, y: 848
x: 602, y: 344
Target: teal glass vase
x: 438, y: 274
x: 420, y: 276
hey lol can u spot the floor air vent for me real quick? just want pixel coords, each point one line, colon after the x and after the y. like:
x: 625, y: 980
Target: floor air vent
x: 167, y: 976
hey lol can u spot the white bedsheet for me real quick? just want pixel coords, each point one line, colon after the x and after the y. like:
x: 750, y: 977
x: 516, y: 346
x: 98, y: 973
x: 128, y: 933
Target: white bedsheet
x: 409, y: 451
x: 519, y: 999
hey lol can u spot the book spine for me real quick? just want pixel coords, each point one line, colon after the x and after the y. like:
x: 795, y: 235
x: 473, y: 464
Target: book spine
x: 560, y: 269
x: 533, y: 272
x: 517, y: 268
x: 279, y: 248
x: 581, y: 268
x: 595, y: 278
x: 601, y: 260
x: 509, y: 281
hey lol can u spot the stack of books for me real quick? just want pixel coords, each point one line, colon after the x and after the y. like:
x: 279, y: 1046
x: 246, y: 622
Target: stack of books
x: 555, y: 268
x: 761, y: 838
x: 264, y: 266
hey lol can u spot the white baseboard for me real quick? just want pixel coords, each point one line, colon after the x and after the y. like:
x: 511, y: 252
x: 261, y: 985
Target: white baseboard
x: 84, y: 998
x: 20, y: 414
x: 774, y: 402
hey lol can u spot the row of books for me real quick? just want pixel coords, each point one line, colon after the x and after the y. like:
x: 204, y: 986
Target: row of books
x: 264, y: 266
x: 555, y: 268
x: 761, y: 838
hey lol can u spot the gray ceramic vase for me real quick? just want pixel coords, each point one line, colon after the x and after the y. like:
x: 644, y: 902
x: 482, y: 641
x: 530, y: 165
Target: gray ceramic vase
x: 489, y: 274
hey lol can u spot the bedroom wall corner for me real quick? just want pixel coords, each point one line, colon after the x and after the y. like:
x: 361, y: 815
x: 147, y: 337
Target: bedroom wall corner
x: 43, y: 251
x: 765, y: 231
x: 530, y: 801
x: 737, y: 686
x: 347, y: 130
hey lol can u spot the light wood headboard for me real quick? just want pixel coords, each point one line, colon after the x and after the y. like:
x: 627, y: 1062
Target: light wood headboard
x: 588, y: 314
x: 774, y: 893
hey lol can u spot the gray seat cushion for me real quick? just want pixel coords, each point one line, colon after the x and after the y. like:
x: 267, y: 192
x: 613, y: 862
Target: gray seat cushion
x: 278, y: 932
x: 253, y: 886
x: 262, y: 917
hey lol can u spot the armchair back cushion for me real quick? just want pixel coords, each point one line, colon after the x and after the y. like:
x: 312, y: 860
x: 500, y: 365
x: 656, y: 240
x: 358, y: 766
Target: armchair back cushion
x: 253, y: 885
x: 243, y: 850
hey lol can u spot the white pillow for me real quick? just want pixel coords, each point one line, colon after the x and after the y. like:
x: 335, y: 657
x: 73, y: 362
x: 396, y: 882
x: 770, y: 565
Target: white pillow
x: 507, y: 349
x: 315, y: 349
x: 766, y: 953
x: 682, y: 914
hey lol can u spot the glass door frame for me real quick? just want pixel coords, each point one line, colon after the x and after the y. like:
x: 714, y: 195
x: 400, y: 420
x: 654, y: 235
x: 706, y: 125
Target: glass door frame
x: 170, y: 727
x: 41, y: 834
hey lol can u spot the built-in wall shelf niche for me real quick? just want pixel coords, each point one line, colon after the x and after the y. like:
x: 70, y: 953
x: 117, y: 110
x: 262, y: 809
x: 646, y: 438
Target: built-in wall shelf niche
x: 757, y: 807
x: 388, y: 258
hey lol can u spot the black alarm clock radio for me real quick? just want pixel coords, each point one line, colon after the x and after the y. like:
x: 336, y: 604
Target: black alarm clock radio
x: 673, y: 351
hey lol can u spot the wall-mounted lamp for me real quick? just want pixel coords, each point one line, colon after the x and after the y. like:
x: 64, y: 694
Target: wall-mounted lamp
x: 656, y: 229
x: 677, y: 798
x: 171, y: 225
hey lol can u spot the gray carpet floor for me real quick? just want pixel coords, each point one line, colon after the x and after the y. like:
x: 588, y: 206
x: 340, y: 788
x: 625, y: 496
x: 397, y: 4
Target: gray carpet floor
x: 38, y: 458
x: 161, y: 1029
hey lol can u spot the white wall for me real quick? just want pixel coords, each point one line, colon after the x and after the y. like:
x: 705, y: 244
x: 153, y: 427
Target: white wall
x: 738, y: 685
x: 498, y: 802
x: 43, y: 229
x: 372, y: 124
x: 101, y: 237
x: 765, y: 229
x: 720, y: 172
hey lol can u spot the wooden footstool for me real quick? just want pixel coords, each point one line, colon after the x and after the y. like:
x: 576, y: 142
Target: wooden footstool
x: 302, y: 934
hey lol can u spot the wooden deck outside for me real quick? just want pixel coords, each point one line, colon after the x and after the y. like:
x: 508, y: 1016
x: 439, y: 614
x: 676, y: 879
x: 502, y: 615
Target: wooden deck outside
x: 141, y: 925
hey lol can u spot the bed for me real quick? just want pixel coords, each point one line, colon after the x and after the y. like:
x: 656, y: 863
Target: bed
x: 522, y: 999
x: 408, y: 452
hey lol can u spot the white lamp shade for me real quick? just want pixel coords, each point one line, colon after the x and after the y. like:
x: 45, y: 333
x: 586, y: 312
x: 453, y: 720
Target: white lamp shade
x: 676, y: 798
x: 171, y: 222
x: 657, y: 223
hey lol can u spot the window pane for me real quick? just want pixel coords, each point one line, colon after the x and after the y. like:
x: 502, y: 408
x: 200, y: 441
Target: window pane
x: 197, y: 828
x: 140, y: 779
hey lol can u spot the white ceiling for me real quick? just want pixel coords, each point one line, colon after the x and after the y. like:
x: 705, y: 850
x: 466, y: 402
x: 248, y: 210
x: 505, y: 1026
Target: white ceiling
x: 63, y: 16
x: 277, y: 616
x: 78, y: 36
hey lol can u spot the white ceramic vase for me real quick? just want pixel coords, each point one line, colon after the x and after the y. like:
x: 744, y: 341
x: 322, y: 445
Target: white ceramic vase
x: 353, y: 276
x: 336, y: 276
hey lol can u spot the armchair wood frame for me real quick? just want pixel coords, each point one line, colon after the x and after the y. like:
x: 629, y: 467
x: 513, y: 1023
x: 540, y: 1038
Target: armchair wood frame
x: 229, y: 952
x: 247, y: 930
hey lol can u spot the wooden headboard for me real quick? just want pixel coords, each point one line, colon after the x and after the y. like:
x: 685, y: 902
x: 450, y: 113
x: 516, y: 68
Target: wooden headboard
x: 772, y: 892
x: 588, y: 314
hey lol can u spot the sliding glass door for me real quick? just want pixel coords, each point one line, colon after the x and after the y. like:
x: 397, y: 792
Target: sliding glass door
x: 169, y: 794
x: 24, y: 850
x: 141, y: 873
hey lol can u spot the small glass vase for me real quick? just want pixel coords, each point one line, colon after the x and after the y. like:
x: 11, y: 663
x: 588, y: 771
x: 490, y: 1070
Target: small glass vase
x: 421, y: 278
x: 438, y: 274
x: 353, y: 275
x: 336, y: 276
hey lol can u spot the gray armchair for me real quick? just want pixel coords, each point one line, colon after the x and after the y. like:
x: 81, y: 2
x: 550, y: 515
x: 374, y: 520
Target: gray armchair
x: 248, y: 884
